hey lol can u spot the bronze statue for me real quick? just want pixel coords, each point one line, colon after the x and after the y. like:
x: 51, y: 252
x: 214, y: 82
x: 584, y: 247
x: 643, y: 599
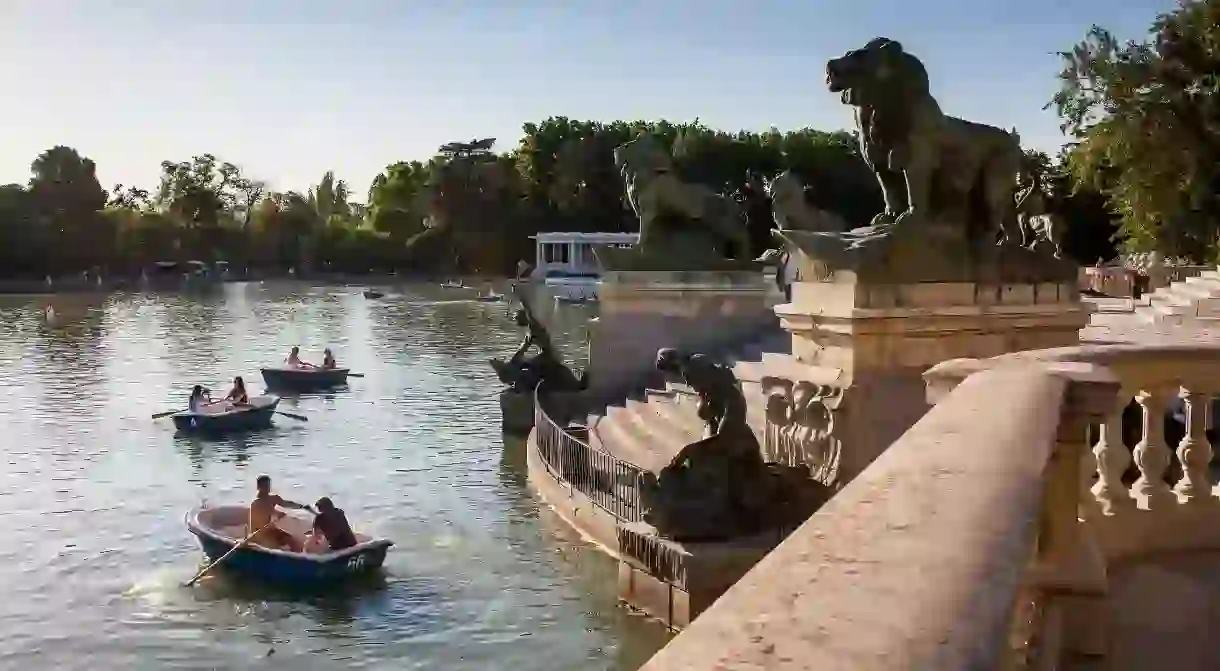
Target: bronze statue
x: 719, y: 486
x: 683, y: 226
x: 546, y: 368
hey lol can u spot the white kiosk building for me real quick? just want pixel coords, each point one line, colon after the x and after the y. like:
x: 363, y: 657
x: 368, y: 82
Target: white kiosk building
x: 565, y: 261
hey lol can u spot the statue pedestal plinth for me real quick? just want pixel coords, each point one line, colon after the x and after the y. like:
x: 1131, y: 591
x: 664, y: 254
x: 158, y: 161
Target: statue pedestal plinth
x: 516, y: 412
x: 676, y: 581
x: 643, y: 311
x: 875, y: 340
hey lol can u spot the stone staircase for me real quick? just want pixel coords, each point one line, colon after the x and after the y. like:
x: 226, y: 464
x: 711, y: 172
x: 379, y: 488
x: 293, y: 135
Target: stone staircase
x: 650, y: 426
x: 1192, y: 300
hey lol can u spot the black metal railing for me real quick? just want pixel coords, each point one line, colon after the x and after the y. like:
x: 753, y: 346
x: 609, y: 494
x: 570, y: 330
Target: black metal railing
x: 607, y: 481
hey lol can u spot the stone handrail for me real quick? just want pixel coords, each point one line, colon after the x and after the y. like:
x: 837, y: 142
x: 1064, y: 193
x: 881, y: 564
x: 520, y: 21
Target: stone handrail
x: 918, y: 562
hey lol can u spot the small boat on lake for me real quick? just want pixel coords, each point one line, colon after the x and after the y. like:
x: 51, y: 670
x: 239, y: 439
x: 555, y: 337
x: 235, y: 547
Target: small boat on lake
x: 224, y: 417
x: 490, y: 297
x: 373, y: 293
x: 220, y: 528
x: 305, y: 378
x: 450, y: 284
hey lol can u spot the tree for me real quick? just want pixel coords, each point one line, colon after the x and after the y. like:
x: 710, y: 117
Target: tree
x: 1146, y: 118
x: 65, y: 200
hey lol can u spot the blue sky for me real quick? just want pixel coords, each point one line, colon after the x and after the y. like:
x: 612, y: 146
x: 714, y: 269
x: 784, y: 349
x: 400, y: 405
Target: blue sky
x: 290, y: 89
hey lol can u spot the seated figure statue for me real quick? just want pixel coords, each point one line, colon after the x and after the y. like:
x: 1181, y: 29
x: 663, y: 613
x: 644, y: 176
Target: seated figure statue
x: 719, y: 486
x: 525, y: 374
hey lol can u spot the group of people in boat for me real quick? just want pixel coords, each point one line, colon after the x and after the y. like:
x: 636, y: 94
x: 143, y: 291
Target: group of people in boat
x: 330, y: 532
x: 201, y: 398
x: 328, y: 360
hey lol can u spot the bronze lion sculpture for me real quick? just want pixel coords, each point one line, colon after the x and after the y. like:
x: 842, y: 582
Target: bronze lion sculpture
x: 929, y: 165
x: 654, y: 190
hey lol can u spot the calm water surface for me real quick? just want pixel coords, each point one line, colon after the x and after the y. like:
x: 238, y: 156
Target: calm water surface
x: 92, y: 492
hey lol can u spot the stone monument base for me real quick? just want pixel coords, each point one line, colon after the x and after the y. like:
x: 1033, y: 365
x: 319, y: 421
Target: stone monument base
x: 875, y: 339
x: 643, y: 311
x: 516, y: 412
x: 674, y: 582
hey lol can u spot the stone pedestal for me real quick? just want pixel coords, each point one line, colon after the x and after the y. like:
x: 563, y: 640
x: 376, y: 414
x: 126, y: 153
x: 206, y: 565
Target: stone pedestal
x: 516, y: 412
x: 642, y: 311
x: 674, y: 582
x: 875, y: 339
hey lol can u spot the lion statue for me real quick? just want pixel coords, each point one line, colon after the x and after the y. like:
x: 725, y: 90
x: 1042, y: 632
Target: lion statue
x: 928, y: 164
x: 655, y: 191
x: 792, y: 211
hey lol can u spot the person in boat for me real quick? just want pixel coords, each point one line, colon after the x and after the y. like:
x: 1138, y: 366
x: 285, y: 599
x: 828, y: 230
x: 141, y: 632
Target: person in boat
x: 330, y: 525
x: 237, y: 395
x: 328, y: 360
x: 294, y: 359
x: 199, y: 399
x: 263, y: 512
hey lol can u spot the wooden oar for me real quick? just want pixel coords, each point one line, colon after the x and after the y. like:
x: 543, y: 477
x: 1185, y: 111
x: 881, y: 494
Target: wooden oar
x: 167, y: 413
x: 355, y: 374
x: 302, y: 418
x: 243, y: 543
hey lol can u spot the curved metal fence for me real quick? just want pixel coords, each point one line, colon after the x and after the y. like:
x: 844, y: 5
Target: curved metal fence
x: 607, y: 481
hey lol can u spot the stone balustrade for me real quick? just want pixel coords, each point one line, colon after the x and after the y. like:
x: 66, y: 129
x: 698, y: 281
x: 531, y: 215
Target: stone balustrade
x: 986, y: 535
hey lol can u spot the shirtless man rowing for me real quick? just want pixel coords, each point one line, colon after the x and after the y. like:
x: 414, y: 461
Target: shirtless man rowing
x: 263, y: 511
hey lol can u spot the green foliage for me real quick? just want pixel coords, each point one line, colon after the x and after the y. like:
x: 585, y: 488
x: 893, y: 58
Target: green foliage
x: 467, y: 208
x: 1146, y: 117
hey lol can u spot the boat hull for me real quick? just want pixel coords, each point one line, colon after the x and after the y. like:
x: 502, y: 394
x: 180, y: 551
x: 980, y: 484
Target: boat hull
x: 287, y: 568
x: 258, y: 416
x: 293, y: 379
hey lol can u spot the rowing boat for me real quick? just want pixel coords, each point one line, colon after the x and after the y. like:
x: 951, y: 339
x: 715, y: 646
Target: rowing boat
x: 224, y: 417
x: 373, y: 293
x: 219, y: 528
x: 304, y: 379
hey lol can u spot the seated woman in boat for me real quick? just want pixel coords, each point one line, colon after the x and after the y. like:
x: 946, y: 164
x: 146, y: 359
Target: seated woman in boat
x: 331, y: 530
x: 263, y: 511
x: 237, y: 395
x: 199, y: 399
x: 328, y: 360
x: 294, y: 359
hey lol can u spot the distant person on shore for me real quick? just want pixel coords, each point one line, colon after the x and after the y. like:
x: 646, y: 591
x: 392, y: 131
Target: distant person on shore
x: 237, y: 395
x: 330, y: 525
x: 294, y: 359
x: 328, y: 360
x: 263, y: 512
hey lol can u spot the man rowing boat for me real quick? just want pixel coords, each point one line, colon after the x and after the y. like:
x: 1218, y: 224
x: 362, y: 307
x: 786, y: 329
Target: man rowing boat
x: 294, y: 359
x: 263, y: 511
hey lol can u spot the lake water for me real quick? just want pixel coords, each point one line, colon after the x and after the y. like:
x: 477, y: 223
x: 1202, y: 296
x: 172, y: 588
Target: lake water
x: 93, y: 492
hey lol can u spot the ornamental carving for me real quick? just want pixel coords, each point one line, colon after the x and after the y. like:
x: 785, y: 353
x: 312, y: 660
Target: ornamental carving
x: 800, y: 426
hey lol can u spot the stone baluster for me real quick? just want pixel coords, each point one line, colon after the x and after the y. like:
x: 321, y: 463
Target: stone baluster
x: 1069, y: 569
x: 1112, y: 460
x: 1152, y: 454
x: 1194, y: 451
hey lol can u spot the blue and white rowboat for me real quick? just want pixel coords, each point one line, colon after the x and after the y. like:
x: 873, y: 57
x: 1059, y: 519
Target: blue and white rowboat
x: 219, y: 528
x: 224, y: 417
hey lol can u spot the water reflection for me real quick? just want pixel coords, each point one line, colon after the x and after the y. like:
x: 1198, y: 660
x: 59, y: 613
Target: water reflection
x: 94, y: 490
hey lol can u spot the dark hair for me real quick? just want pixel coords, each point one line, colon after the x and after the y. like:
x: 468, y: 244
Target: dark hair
x: 197, y: 390
x: 237, y: 382
x: 324, y: 503
x: 263, y: 480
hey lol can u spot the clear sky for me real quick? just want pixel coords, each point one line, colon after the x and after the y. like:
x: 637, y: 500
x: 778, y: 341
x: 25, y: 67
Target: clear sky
x: 290, y: 89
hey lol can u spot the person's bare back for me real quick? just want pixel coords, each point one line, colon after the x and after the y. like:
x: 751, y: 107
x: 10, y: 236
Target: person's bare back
x: 263, y: 514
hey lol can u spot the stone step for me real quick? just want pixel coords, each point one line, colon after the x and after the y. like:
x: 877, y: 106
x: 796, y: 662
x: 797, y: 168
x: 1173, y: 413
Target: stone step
x: 625, y: 439
x: 665, y: 437
x: 683, y: 417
